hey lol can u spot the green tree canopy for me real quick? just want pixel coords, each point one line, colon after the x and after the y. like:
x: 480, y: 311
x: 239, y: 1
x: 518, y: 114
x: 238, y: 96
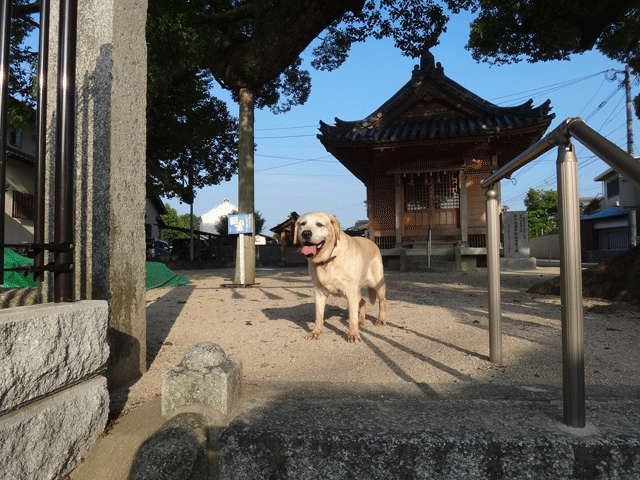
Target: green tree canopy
x: 191, y: 136
x: 509, y: 31
x: 23, y: 66
x: 542, y: 211
x: 172, y: 219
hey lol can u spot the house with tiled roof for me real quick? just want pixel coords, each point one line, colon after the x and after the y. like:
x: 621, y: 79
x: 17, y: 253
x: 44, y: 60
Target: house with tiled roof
x: 422, y: 155
x: 612, y: 229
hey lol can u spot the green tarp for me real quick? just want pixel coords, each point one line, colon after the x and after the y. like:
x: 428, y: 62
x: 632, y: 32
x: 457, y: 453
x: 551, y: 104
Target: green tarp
x: 17, y: 279
x: 158, y: 275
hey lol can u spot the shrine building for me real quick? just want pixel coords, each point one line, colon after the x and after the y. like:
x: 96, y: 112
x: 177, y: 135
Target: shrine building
x: 422, y: 156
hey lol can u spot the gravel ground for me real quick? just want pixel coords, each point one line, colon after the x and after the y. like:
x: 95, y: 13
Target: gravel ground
x: 437, y: 332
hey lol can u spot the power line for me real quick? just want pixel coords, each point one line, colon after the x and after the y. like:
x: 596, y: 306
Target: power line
x: 287, y: 136
x: 285, y: 128
x: 305, y: 175
x: 548, y: 88
x: 594, y: 96
x: 287, y: 165
x: 531, y: 165
x: 602, y: 104
x: 319, y: 159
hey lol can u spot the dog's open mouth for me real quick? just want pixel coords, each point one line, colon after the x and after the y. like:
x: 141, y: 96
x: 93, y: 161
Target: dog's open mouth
x: 310, y: 250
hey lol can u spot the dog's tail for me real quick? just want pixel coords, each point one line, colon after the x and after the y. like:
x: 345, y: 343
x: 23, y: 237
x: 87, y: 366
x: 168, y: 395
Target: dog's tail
x: 372, y: 296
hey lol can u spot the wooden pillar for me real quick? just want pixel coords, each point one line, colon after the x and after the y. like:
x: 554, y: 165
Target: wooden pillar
x: 464, y: 213
x: 399, y: 195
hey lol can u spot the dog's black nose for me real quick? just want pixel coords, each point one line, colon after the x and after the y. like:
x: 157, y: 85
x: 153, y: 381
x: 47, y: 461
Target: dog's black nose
x: 306, y: 234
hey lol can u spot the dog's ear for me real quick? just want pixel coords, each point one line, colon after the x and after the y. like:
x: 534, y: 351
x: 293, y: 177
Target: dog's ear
x: 295, y: 233
x: 336, y: 225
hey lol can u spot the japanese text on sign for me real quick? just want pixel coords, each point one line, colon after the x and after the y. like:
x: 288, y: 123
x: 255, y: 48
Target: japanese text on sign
x: 240, y: 224
x: 516, y: 234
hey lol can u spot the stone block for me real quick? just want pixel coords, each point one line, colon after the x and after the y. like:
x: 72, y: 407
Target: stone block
x: 528, y: 263
x: 46, y: 439
x: 205, y: 376
x: 178, y: 450
x: 47, y: 347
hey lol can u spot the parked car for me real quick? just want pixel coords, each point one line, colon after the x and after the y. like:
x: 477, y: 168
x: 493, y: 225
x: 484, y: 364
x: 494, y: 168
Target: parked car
x: 157, y: 248
x: 182, y: 248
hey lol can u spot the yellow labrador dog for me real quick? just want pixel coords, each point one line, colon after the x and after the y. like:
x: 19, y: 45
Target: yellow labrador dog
x: 341, y: 265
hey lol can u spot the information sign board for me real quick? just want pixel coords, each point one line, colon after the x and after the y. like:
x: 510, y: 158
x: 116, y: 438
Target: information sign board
x: 240, y: 224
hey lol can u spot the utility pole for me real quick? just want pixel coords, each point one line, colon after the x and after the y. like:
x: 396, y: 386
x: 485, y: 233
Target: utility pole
x: 633, y: 228
x: 633, y: 208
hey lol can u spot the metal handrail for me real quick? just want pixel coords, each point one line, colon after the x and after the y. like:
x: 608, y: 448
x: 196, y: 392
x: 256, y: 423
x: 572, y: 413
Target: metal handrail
x: 570, y: 262
x: 575, y: 127
x: 62, y: 246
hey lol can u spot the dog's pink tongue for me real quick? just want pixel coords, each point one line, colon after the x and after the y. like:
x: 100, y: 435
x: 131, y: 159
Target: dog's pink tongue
x: 309, y: 250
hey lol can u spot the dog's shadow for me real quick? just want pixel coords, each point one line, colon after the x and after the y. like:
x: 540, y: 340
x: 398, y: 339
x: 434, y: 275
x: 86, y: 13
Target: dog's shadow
x: 336, y: 318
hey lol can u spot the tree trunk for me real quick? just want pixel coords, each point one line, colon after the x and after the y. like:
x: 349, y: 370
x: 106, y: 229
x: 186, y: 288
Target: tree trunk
x: 245, y: 185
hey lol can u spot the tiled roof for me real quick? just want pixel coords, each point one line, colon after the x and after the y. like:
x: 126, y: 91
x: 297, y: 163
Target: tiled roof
x: 20, y: 155
x: 428, y: 128
x: 465, y: 114
x: 606, y: 213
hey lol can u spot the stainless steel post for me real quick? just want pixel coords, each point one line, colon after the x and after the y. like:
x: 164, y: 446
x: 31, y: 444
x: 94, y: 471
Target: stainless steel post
x: 571, y: 288
x: 493, y: 272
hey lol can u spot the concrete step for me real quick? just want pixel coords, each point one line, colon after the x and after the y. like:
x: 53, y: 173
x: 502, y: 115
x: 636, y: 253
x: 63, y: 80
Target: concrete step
x: 419, y: 431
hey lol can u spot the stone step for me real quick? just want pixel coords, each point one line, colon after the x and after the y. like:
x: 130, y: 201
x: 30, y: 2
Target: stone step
x: 419, y: 431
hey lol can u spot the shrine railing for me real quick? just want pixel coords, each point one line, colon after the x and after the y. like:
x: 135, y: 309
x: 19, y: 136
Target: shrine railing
x: 570, y: 255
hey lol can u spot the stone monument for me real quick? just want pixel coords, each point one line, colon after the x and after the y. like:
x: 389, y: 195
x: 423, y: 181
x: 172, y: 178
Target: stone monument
x: 515, y: 228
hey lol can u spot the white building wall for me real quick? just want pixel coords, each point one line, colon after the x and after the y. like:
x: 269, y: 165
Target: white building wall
x: 210, y: 219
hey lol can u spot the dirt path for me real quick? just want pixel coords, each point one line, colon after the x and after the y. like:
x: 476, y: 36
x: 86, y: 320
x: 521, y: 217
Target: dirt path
x: 437, y: 332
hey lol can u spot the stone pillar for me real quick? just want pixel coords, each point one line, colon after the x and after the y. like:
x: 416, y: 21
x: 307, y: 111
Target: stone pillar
x: 110, y: 170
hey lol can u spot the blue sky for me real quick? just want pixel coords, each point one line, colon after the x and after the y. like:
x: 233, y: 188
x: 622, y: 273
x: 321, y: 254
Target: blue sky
x: 293, y: 171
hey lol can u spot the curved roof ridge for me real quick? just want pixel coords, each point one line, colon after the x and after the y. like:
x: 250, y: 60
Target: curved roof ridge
x: 429, y: 69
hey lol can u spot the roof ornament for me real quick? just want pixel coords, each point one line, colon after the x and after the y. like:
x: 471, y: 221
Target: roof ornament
x: 427, y: 62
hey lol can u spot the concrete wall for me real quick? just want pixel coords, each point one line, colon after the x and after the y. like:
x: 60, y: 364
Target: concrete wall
x: 54, y: 401
x: 539, y: 246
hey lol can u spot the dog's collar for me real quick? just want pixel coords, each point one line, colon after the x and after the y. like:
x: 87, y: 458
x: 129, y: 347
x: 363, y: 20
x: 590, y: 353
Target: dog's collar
x: 322, y: 264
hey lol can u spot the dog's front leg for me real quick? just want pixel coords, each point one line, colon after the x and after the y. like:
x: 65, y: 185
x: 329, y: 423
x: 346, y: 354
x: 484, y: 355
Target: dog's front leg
x: 354, y: 298
x: 321, y: 301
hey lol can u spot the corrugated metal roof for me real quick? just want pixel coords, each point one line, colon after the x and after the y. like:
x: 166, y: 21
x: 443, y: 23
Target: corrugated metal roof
x: 606, y: 213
